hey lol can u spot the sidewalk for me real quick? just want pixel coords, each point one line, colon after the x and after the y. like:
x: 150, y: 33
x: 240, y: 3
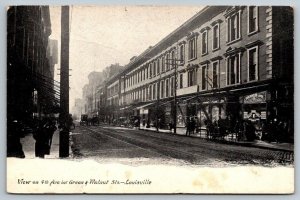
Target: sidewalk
x: 230, y: 139
x: 28, y: 144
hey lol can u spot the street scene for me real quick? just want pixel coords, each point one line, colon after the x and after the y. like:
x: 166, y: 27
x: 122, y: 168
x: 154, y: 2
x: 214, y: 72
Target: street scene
x: 208, y: 86
x: 137, y: 147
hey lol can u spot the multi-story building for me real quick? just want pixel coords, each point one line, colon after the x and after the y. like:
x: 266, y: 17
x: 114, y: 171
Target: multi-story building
x: 31, y: 89
x: 113, y: 96
x: 230, y: 62
x: 30, y: 67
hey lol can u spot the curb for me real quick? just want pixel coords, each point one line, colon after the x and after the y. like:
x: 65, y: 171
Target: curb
x: 227, y: 142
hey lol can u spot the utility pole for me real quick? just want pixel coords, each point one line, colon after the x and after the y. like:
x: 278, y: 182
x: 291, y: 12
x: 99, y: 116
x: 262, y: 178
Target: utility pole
x: 174, y: 63
x: 175, y: 96
x: 64, y: 84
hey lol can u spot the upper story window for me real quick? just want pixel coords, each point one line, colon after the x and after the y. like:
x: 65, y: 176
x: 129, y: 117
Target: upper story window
x: 172, y: 61
x: 167, y: 88
x: 158, y: 66
x: 150, y: 92
x: 167, y: 62
x: 215, y: 74
x: 252, y: 19
x: 233, y: 69
x: 154, y: 91
x: 162, y: 90
x: 157, y: 90
x: 192, y: 48
x: 163, y: 62
x: 181, y: 81
x: 172, y: 86
x: 204, y: 42
x: 150, y: 68
x: 253, y: 64
x: 216, y: 36
x: 154, y: 68
x: 192, y: 77
x: 204, y: 77
x: 181, y: 53
x: 234, y: 27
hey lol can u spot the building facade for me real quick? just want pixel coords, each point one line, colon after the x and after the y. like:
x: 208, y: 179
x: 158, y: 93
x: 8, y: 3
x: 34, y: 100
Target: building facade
x: 226, y: 62
x: 31, y: 89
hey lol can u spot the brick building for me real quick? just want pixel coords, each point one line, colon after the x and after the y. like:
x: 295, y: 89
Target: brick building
x: 230, y: 61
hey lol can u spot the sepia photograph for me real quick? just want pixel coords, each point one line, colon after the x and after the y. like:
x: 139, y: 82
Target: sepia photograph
x: 150, y: 99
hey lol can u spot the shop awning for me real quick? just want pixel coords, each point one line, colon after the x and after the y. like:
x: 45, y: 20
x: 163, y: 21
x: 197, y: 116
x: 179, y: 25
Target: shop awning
x: 126, y: 107
x: 144, y: 106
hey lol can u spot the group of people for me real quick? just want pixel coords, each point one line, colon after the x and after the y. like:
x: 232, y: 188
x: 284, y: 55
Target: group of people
x: 43, y: 134
x: 190, y: 126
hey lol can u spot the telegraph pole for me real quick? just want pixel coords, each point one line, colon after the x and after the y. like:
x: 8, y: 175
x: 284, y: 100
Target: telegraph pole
x: 174, y: 63
x: 64, y: 84
x: 175, y: 97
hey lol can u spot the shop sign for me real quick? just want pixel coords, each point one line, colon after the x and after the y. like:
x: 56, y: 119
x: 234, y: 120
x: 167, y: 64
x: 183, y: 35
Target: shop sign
x: 263, y: 115
x: 255, y: 98
x: 254, y: 115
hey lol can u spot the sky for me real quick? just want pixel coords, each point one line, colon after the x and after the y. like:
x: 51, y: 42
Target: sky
x: 104, y: 35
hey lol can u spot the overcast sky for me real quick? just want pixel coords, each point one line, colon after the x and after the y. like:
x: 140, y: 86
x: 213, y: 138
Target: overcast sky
x: 103, y: 35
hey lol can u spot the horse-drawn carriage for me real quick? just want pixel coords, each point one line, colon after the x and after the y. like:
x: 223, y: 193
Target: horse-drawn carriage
x: 87, y: 121
x: 84, y: 120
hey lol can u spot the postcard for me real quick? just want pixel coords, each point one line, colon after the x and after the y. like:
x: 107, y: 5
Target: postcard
x: 150, y: 99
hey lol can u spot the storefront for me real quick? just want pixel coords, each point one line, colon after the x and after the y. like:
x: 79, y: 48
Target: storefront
x: 255, y: 110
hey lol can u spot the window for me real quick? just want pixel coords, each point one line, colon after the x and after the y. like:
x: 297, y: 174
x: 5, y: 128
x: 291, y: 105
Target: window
x: 181, y: 53
x: 172, y: 61
x: 192, y: 77
x: 154, y: 91
x: 158, y: 89
x: 163, y: 64
x: 172, y: 86
x: 167, y: 88
x: 204, y: 42
x: 181, y: 81
x: 192, y: 48
x: 253, y: 64
x: 204, y: 77
x: 150, y: 67
x: 158, y: 66
x: 154, y: 68
x: 233, y: 69
x: 150, y: 92
x: 167, y: 62
x: 233, y: 27
x: 215, y: 72
x: 162, y: 83
x: 252, y: 19
x: 216, y: 36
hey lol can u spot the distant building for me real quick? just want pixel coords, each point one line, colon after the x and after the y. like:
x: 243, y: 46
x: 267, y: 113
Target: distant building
x: 77, y: 109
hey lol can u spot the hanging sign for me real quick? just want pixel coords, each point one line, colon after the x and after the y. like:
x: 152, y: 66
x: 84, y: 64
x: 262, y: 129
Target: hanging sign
x: 255, y: 98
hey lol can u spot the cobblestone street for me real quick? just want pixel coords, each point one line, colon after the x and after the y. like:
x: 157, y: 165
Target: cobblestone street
x: 110, y: 144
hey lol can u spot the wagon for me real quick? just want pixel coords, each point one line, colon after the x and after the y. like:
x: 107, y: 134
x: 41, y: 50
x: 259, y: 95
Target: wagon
x: 84, y: 120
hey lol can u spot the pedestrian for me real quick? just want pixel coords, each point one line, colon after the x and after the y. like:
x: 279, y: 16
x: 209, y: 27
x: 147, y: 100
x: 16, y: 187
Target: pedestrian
x: 40, y: 139
x: 170, y: 126
x: 187, y: 126
x: 250, y: 131
x: 50, y: 128
x: 193, y: 125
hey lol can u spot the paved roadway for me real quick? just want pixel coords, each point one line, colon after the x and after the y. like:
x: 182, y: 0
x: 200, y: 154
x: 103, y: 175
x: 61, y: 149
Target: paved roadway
x: 117, y: 144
